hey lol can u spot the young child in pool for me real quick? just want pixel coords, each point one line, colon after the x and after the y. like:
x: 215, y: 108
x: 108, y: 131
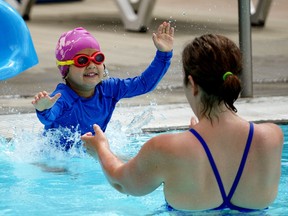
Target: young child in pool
x: 85, y: 98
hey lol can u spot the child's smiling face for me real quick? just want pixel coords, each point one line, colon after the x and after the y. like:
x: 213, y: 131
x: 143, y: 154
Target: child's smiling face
x: 84, y: 79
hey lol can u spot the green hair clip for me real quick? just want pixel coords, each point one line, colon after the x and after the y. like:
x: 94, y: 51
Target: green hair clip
x: 227, y: 74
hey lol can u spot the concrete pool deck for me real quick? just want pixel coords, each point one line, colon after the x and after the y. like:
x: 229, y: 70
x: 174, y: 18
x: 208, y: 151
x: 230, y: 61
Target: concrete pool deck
x: 128, y: 53
x: 164, y: 117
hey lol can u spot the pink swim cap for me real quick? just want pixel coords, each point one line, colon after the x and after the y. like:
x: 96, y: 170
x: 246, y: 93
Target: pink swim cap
x: 72, y: 42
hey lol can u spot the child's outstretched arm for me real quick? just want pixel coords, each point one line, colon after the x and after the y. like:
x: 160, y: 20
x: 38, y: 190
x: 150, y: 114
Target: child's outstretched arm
x: 43, y: 101
x: 164, y: 37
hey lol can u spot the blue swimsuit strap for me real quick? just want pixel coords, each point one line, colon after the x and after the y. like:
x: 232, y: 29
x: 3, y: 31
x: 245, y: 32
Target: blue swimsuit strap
x: 243, y: 161
x: 226, y: 199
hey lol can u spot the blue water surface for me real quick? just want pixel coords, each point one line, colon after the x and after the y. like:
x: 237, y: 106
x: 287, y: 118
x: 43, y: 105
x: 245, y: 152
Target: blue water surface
x: 37, y: 179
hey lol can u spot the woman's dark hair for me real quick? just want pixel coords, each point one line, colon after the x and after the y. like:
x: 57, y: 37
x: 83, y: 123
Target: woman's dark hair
x: 207, y: 59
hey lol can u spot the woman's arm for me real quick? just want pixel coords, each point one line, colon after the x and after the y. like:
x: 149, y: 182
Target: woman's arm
x: 139, y: 176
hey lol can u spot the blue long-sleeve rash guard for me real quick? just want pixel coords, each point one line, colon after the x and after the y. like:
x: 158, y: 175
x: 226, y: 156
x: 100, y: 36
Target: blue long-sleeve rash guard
x: 72, y: 111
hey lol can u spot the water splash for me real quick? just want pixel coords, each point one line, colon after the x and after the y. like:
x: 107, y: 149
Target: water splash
x: 122, y: 137
x: 30, y: 146
x: 140, y: 120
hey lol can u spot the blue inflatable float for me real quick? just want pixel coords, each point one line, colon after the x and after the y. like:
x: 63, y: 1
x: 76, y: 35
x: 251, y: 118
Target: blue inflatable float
x: 17, y: 52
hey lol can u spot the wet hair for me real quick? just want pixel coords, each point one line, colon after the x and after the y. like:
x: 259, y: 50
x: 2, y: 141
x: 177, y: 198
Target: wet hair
x: 207, y: 59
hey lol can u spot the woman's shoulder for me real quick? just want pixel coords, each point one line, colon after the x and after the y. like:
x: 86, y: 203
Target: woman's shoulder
x: 268, y: 134
x: 174, y: 143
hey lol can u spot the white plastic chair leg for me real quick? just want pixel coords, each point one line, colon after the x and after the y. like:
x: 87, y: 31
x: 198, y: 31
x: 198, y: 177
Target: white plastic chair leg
x: 22, y: 8
x: 260, y: 12
x: 136, y: 20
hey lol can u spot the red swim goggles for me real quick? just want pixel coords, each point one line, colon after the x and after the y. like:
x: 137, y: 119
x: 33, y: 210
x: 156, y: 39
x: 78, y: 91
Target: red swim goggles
x: 82, y: 60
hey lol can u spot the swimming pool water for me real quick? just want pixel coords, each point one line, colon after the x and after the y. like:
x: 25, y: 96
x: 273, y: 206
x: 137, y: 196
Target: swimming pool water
x: 39, y: 180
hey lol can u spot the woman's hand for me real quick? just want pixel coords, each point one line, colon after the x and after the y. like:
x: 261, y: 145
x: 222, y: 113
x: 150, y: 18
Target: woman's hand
x: 94, y: 142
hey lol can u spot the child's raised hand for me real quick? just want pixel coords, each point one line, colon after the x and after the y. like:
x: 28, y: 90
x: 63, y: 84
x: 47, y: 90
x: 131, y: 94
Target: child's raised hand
x: 164, y: 37
x: 43, y: 101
